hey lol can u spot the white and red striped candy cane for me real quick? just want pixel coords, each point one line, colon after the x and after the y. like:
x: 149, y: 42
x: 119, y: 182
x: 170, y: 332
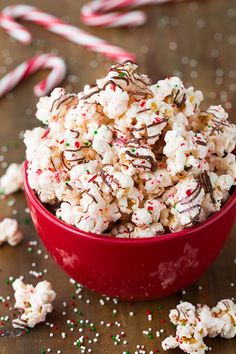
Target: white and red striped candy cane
x: 96, y: 13
x: 30, y: 66
x: 74, y: 34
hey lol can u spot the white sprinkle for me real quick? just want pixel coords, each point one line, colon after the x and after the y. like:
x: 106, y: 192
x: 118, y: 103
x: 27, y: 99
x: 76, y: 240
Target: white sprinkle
x: 173, y: 46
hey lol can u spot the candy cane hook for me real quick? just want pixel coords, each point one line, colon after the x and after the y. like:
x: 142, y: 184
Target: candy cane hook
x: 53, y: 24
x: 30, y: 66
x: 96, y: 13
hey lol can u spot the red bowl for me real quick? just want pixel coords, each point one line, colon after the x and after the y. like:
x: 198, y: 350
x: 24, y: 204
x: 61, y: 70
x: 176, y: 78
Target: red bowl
x: 132, y: 269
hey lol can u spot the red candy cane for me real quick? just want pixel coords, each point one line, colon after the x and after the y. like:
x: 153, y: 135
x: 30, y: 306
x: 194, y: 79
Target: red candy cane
x: 55, y: 25
x: 30, y: 66
x: 96, y: 13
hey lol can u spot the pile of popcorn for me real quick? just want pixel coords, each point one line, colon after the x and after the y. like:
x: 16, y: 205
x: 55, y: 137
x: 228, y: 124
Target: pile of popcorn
x: 130, y: 159
x: 194, y: 324
x: 32, y: 303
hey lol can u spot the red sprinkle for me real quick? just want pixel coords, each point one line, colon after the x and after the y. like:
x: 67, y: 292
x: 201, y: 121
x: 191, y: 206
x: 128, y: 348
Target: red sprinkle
x: 93, y: 178
x: 188, y: 192
x: 39, y: 171
x: 46, y: 133
x: 113, y: 86
x: 142, y: 104
x: 150, y: 208
x: 77, y: 144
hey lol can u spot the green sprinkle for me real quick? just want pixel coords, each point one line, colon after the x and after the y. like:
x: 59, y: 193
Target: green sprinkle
x: 121, y: 74
x: 93, y: 329
x: 160, y: 307
x: 30, y: 249
x: 42, y: 351
x: 59, y: 217
x: 150, y: 335
x: 27, y: 221
x: 95, y: 132
x: 73, y: 296
x: 67, y: 144
x: 16, y: 145
x: 78, y: 343
x: 133, y: 150
x: 158, y: 86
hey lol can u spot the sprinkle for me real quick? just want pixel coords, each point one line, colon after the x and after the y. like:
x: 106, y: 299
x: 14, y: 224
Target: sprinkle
x: 188, y: 192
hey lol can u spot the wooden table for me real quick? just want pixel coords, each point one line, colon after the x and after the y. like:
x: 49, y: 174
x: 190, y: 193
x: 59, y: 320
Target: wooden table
x: 194, y: 39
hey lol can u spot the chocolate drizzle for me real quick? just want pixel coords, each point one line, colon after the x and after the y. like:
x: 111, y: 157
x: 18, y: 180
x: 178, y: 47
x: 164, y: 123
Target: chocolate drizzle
x: 53, y: 165
x: 187, y: 201
x: 108, y: 180
x: 195, y: 193
x: 200, y: 142
x: 92, y: 196
x: 89, y: 95
x: 182, y: 101
x: 205, y: 181
x: 63, y: 161
x: 104, y: 178
x: 148, y: 158
x: 69, y: 99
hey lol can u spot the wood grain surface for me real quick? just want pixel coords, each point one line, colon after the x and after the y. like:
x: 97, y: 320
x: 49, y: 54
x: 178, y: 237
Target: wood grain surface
x: 196, y: 40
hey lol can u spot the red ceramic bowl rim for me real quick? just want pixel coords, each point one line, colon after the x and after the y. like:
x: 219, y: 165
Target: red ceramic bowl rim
x: 195, y: 229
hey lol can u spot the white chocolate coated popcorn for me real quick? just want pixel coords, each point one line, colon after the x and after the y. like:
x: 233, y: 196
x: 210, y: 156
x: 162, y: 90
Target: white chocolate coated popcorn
x: 32, y: 303
x: 194, y: 324
x: 12, y: 180
x: 10, y: 232
x: 121, y: 144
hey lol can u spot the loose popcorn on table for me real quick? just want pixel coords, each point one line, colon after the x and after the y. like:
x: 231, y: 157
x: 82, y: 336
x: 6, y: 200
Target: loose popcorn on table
x: 32, y: 303
x: 193, y: 324
x: 129, y: 159
x: 10, y: 232
x: 12, y: 180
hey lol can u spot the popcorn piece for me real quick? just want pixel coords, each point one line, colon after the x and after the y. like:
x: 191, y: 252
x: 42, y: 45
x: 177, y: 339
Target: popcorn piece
x: 149, y: 214
x: 185, y: 200
x: 193, y: 324
x: 189, y: 331
x: 12, y: 180
x: 56, y: 105
x: 220, y: 320
x: 10, y: 232
x: 185, y: 150
x: 225, y: 313
x: 32, y: 303
x: 114, y: 101
x: 220, y: 134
